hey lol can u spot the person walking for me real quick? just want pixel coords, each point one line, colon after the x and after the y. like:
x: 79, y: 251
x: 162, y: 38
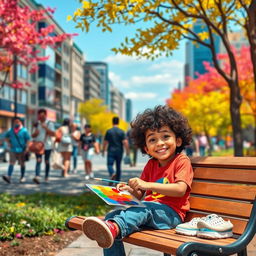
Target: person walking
x: 114, y: 142
x: 43, y: 131
x: 17, y: 137
x: 75, y: 136
x: 203, y: 144
x: 133, y: 149
x: 64, y: 139
x: 88, y: 145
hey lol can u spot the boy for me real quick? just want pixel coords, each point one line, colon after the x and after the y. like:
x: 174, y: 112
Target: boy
x: 162, y: 133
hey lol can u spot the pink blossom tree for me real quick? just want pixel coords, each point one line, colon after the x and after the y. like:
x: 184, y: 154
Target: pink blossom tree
x: 21, y: 40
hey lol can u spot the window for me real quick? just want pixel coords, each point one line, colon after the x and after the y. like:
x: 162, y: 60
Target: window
x: 65, y: 100
x: 33, y: 98
x: 24, y: 97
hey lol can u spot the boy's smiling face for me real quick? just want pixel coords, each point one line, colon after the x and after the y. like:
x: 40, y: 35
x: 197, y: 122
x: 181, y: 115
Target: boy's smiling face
x: 161, y: 144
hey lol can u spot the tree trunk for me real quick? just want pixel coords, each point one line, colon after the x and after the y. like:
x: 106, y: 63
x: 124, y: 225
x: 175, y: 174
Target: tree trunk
x: 235, y: 103
x: 251, y: 33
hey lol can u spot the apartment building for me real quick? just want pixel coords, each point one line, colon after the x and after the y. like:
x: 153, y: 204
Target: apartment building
x: 118, y: 102
x: 77, y: 81
x: 92, y: 82
x: 102, y: 69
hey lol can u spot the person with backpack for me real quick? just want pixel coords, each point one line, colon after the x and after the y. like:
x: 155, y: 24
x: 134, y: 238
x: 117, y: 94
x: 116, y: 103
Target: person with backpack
x: 64, y: 139
x: 17, y: 137
x: 88, y: 145
x: 43, y: 130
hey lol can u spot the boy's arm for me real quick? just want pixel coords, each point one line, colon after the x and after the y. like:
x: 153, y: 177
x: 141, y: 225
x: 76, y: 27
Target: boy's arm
x: 177, y: 189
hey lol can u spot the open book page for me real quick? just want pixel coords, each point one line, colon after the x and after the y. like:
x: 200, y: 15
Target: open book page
x: 114, y: 197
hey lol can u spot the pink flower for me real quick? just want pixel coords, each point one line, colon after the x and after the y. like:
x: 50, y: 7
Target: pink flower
x: 18, y: 235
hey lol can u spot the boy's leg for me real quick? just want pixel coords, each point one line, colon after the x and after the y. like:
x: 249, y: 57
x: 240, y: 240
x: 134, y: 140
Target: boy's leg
x: 154, y: 215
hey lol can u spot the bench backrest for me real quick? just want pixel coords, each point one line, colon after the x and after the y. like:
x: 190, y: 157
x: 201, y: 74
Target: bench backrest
x: 225, y: 186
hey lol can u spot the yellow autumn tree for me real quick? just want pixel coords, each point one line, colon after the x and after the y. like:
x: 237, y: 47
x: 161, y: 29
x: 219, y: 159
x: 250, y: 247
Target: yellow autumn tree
x: 101, y: 122
x: 91, y: 107
x: 166, y: 23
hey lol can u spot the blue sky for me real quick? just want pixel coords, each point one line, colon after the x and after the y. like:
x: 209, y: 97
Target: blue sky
x: 147, y: 83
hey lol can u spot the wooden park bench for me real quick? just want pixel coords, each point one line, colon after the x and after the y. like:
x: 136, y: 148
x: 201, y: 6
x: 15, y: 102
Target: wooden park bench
x: 222, y: 185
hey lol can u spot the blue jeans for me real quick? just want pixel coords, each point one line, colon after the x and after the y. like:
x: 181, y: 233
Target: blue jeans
x: 154, y: 215
x: 47, y: 154
x: 74, y: 155
x: 111, y: 158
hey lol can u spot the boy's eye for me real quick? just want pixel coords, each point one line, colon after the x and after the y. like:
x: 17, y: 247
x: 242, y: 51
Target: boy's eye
x: 151, y: 140
x: 166, y: 136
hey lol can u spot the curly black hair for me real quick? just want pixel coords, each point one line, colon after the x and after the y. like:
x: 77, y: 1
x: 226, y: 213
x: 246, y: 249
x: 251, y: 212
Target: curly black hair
x: 156, y: 118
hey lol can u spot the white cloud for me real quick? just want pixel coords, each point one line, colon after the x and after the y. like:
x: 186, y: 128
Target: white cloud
x: 120, y: 59
x: 168, y: 66
x: 140, y: 95
x: 118, y: 81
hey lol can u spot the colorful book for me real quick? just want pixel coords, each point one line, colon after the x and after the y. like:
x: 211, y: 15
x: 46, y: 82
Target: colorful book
x: 112, y: 196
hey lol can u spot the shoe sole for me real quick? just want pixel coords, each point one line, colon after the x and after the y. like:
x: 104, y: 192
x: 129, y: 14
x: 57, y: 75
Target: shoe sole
x: 186, y: 232
x: 97, y: 230
x: 212, y: 234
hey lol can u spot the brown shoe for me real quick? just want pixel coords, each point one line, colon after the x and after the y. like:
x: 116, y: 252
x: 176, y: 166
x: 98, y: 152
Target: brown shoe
x: 113, y: 177
x: 6, y: 179
x: 36, y: 180
x: 103, y: 232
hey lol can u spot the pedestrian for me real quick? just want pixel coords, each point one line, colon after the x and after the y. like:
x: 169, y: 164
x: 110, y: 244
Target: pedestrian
x: 133, y: 149
x: 43, y: 130
x: 75, y: 136
x: 88, y: 145
x: 17, y: 137
x: 64, y: 139
x: 114, y: 142
x: 193, y: 148
x: 203, y: 144
x: 165, y: 182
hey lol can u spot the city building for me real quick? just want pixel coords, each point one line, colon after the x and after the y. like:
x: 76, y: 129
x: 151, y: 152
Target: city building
x: 92, y: 82
x: 77, y: 81
x: 118, y: 102
x: 196, y: 54
x: 128, y: 109
x: 102, y: 69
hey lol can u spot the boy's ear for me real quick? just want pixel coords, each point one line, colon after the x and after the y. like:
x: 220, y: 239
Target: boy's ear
x: 146, y: 149
x: 178, y: 142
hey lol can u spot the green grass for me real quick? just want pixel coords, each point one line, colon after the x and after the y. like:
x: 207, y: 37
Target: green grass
x: 224, y: 152
x: 44, y: 213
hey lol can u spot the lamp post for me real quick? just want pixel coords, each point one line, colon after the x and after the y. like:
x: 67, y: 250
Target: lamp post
x: 15, y: 89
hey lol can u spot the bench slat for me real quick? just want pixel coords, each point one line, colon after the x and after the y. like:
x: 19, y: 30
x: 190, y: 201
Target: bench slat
x: 222, y: 174
x: 234, y: 191
x: 229, y: 208
x: 227, y: 162
x: 167, y: 240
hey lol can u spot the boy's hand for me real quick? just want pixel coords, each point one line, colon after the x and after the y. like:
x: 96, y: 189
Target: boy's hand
x: 124, y: 187
x: 137, y: 183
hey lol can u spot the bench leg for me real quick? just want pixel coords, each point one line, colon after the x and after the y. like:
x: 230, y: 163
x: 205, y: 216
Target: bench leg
x: 242, y: 253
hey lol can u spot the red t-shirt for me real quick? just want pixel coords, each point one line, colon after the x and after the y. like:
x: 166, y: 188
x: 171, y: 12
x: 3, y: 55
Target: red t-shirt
x: 178, y: 169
